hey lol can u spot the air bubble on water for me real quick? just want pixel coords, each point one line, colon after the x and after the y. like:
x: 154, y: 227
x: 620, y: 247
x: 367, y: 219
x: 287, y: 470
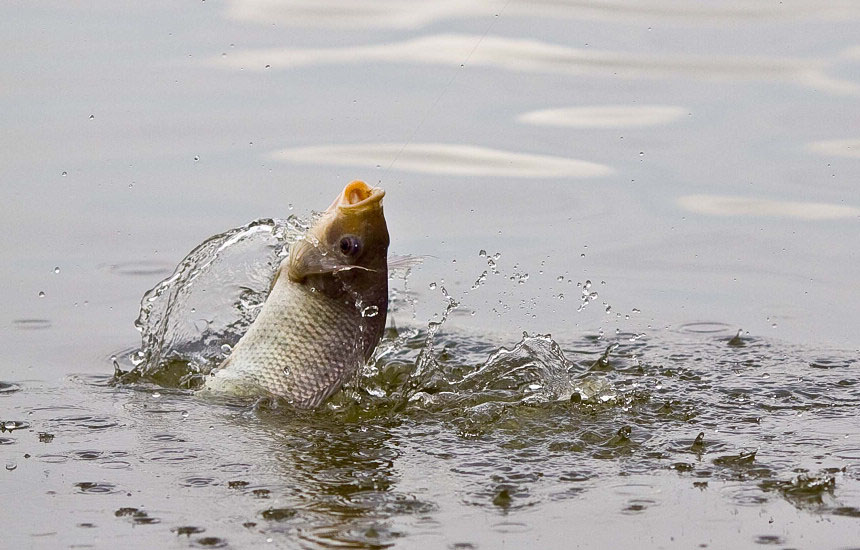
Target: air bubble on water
x: 196, y: 158
x: 11, y: 466
x: 560, y: 278
x: 497, y: 255
x: 433, y: 286
x: 226, y: 349
x: 64, y: 174
x: 156, y: 395
x: 92, y: 117
x: 370, y: 311
x: 56, y: 270
x: 41, y: 294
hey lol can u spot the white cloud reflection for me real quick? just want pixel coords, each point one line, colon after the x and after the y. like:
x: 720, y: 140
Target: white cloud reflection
x: 407, y: 14
x: 718, y: 205
x: 532, y: 56
x: 604, y: 116
x: 837, y: 148
x: 443, y: 158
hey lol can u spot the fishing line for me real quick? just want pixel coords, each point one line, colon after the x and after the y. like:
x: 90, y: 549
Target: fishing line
x: 444, y: 90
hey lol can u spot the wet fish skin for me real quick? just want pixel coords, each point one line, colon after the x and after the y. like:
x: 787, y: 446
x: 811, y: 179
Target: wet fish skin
x: 326, y: 310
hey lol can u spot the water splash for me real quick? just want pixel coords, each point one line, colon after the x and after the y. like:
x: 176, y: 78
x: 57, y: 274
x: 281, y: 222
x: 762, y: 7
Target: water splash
x: 190, y: 321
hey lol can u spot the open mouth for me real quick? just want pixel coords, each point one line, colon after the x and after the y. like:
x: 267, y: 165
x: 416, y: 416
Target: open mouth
x: 358, y: 195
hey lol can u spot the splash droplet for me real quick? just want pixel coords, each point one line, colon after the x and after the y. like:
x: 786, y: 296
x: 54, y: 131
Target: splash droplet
x: 370, y: 311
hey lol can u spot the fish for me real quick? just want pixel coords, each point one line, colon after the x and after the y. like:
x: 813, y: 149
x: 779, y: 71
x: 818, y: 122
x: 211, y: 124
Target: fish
x: 326, y: 310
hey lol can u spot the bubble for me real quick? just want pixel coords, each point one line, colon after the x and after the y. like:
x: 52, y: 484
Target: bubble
x: 226, y: 349
x: 92, y: 117
x: 64, y: 174
x: 433, y: 286
x: 196, y: 158
x: 482, y: 253
x: 56, y: 270
x: 41, y: 294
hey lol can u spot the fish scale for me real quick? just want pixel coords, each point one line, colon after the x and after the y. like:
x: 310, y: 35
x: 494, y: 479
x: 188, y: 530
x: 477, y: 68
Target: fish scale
x: 302, y: 356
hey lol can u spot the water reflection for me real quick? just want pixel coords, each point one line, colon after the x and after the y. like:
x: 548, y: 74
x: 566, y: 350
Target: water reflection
x: 605, y: 116
x: 339, y: 482
x: 526, y: 55
x: 837, y: 148
x: 404, y: 14
x: 444, y: 158
x: 719, y: 205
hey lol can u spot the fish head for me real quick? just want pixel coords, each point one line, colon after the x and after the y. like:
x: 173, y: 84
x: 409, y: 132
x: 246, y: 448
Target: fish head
x: 345, y: 252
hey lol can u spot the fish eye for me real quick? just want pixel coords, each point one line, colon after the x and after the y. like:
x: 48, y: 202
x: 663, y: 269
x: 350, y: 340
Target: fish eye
x: 350, y: 245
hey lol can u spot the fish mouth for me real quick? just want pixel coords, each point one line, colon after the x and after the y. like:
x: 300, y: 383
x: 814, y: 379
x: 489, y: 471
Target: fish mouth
x: 357, y: 196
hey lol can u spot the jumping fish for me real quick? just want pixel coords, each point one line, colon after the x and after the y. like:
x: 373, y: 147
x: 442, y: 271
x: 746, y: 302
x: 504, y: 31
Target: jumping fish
x: 326, y: 310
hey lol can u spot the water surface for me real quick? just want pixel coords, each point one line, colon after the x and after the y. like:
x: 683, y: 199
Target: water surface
x: 666, y: 199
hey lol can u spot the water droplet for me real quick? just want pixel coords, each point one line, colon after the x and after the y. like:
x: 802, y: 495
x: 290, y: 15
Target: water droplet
x: 11, y: 466
x: 92, y: 117
x: 41, y: 294
x: 268, y: 66
x: 482, y: 253
x: 64, y: 174
x: 56, y: 270
x: 226, y: 349
x: 196, y: 158
x: 156, y: 395
x: 433, y: 286
x: 287, y: 371
x: 370, y: 311
x: 641, y: 153
x: 560, y: 278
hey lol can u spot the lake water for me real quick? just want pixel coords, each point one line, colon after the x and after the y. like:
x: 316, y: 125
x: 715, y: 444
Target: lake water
x: 662, y: 194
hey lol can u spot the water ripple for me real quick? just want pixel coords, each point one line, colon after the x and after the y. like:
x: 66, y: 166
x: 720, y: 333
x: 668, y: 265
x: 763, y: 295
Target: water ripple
x: 443, y: 158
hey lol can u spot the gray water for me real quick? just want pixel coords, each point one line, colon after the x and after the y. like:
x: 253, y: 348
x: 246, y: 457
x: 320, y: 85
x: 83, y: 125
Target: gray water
x: 665, y: 194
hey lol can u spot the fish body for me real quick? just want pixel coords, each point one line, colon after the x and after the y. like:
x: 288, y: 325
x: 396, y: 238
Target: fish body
x: 326, y: 310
